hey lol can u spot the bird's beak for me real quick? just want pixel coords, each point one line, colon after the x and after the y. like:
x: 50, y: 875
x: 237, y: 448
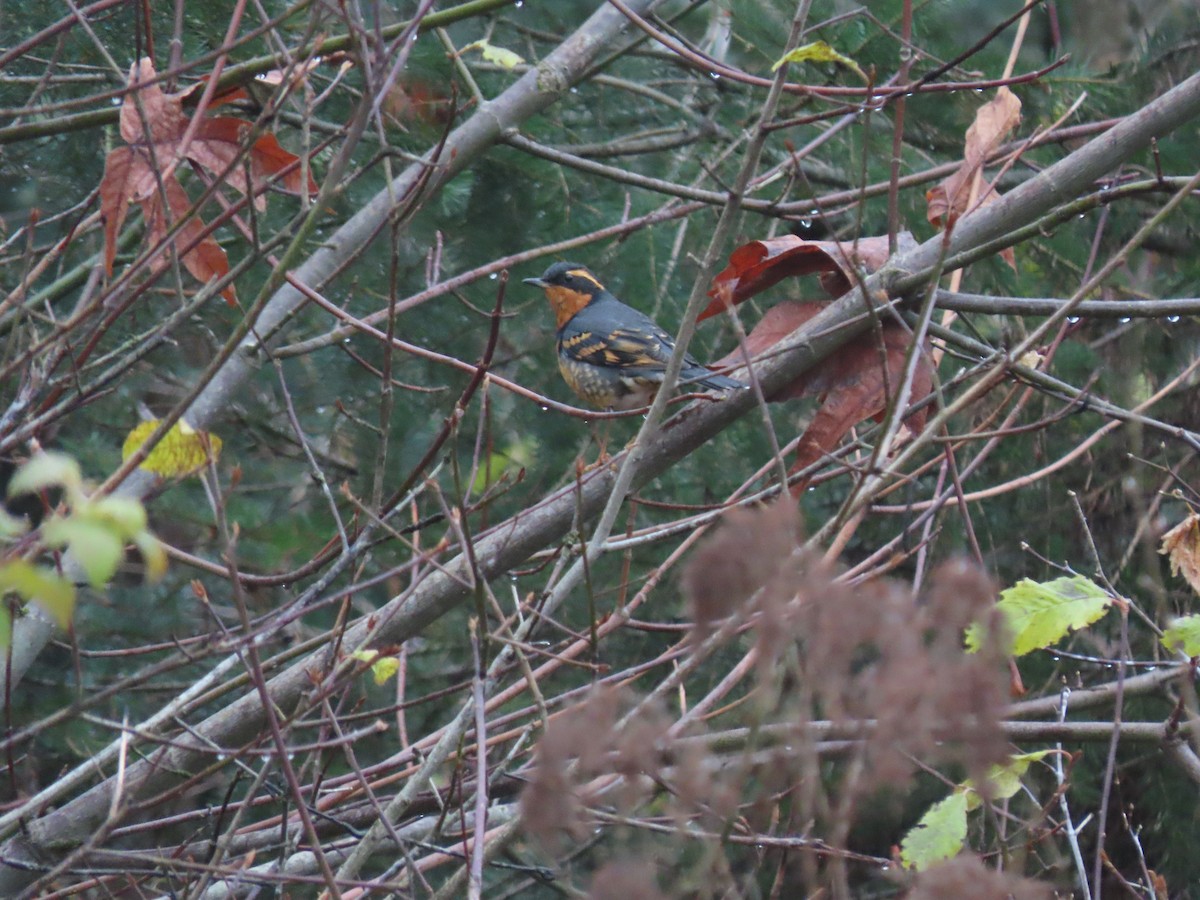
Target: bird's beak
x: 536, y: 282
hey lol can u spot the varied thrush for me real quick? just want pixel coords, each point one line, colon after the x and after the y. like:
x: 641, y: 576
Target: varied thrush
x: 610, y: 354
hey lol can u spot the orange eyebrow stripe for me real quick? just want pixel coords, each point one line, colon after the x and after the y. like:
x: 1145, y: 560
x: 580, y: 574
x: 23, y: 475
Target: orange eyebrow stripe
x: 585, y: 274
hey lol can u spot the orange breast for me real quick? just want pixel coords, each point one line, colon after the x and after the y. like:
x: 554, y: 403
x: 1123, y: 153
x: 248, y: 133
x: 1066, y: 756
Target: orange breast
x: 565, y: 303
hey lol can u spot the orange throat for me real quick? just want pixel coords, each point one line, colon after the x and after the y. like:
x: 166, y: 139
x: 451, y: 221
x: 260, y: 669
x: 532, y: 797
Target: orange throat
x: 565, y: 303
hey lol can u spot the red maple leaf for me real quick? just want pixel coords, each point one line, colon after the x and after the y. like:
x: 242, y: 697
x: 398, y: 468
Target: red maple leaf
x: 853, y: 385
x: 153, y: 126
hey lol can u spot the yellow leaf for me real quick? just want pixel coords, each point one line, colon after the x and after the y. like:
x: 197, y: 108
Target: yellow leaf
x: 498, y: 55
x: 153, y: 555
x: 1183, y: 636
x: 382, y: 667
x: 184, y: 451
x: 820, y: 52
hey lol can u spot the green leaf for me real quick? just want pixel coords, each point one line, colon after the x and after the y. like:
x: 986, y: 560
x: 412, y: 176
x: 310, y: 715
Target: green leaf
x: 1183, y: 635
x: 939, y: 835
x: 125, y: 515
x: 95, y: 545
x: 46, y: 470
x: 819, y: 52
x: 489, y: 473
x: 520, y: 452
x: 11, y: 526
x: 974, y: 637
x: 35, y: 584
x: 1004, y: 780
x: 493, y: 54
x: 1041, y: 614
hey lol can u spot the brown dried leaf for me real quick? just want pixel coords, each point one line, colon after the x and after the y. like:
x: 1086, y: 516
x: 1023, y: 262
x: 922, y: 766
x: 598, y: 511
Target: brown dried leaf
x: 200, y: 254
x: 856, y: 380
x: 153, y: 125
x: 777, y: 323
x: 418, y: 101
x: 856, y: 384
x: 1181, y: 545
x: 219, y: 144
x: 993, y: 123
x: 163, y: 118
x: 758, y: 265
x: 270, y: 160
x: 117, y: 186
x: 219, y: 98
x: 292, y: 77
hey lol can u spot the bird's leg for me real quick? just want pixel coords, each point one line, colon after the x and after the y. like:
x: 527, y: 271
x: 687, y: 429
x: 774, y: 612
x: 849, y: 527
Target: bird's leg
x: 600, y: 436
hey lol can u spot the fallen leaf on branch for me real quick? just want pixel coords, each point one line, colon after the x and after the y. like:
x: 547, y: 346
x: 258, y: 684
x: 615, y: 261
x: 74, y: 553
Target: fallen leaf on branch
x: 854, y: 384
x: 758, y: 265
x: 153, y: 126
x: 994, y: 121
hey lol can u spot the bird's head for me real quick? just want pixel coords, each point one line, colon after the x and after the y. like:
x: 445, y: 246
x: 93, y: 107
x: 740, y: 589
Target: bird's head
x: 569, y: 287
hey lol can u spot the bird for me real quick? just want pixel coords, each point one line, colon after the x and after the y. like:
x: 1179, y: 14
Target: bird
x: 609, y: 353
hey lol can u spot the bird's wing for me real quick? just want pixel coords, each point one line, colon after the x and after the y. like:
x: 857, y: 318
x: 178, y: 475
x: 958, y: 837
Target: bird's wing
x: 633, y: 351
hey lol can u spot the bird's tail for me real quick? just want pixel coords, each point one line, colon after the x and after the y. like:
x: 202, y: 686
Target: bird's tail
x: 708, y: 380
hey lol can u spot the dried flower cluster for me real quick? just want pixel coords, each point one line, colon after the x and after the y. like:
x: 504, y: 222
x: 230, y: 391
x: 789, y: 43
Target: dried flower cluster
x: 882, y: 671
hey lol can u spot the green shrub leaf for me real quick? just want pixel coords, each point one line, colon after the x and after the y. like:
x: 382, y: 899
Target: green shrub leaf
x: 939, y: 835
x: 46, y: 470
x: 95, y: 545
x: 1004, y: 780
x: 35, y: 584
x: 1039, y: 614
x: 941, y: 832
x: 1183, y: 635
